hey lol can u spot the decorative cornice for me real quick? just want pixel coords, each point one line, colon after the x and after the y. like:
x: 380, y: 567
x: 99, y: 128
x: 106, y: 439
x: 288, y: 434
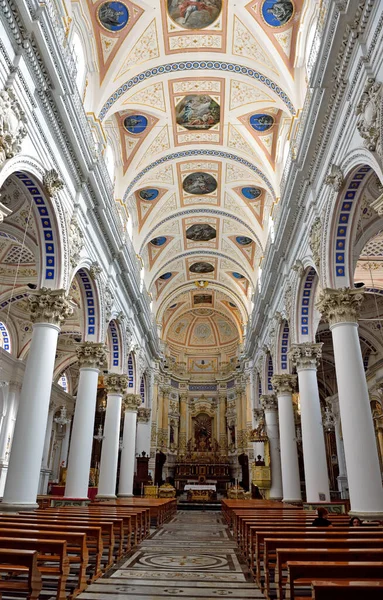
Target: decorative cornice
x: 115, y: 383
x: 306, y: 355
x: 131, y: 402
x: 269, y: 402
x: 50, y: 306
x: 143, y: 415
x: 340, y: 305
x: 284, y: 383
x: 91, y: 355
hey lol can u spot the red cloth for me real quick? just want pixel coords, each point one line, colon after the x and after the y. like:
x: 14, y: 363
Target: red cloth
x: 199, y: 6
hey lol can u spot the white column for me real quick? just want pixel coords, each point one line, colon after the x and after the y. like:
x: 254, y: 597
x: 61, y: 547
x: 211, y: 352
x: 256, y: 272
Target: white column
x: 306, y: 357
x: 269, y: 404
x: 48, y: 310
x: 45, y: 471
x: 65, y: 446
x: 284, y: 386
x: 9, y: 420
x: 131, y: 404
x: 115, y: 385
x: 91, y: 357
x: 341, y: 308
x: 342, y: 477
x: 143, y: 431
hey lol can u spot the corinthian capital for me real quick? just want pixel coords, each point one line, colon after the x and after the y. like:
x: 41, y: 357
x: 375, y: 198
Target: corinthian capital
x: 50, y: 306
x: 284, y: 383
x: 116, y: 384
x: 143, y: 415
x: 341, y: 305
x: 91, y: 355
x: 131, y: 402
x: 306, y: 355
x: 269, y: 402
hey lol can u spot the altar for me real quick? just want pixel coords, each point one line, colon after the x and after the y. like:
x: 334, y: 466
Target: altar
x: 197, y: 492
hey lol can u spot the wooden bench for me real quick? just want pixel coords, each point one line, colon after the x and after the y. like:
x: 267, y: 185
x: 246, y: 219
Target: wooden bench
x: 76, y: 546
x: 347, y: 589
x: 301, y: 573
x: 52, y: 558
x: 326, y: 553
x: 20, y: 562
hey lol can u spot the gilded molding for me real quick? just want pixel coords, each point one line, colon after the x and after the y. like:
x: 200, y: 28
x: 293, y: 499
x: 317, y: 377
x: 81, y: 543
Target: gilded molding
x: 50, y: 306
x: 91, y: 355
x: 340, y: 305
x: 284, y: 383
x: 306, y: 355
x: 115, y: 383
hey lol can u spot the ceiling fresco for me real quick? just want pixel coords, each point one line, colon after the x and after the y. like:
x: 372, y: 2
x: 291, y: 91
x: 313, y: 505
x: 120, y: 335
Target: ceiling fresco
x: 199, y: 101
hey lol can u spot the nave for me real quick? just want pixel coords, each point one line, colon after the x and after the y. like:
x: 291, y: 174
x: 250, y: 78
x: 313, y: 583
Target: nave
x: 191, y: 556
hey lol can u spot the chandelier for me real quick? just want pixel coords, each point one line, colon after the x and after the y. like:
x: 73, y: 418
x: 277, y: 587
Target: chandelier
x: 100, y: 436
x: 328, y: 420
x: 62, y: 419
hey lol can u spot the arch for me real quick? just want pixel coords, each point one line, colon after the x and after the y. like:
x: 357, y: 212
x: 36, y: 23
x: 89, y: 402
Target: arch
x: 49, y: 217
x: 90, y: 309
x: 116, y: 353
x: 305, y: 306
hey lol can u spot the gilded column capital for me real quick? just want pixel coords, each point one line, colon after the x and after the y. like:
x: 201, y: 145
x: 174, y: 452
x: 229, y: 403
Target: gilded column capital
x: 91, y: 355
x: 306, y: 355
x: 222, y: 397
x: 340, y: 305
x: 50, y: 306
x: 165, y: 390
x: 143, y: 415
x: 183, y: 397
x: 115, y: 383
x: 284, y: 383
x: 240, y: 389
x: 269, y: 402
x: 131, y: 402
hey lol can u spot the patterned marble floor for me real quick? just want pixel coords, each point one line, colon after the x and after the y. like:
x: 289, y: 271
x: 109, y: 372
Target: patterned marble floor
x: 192, y: 556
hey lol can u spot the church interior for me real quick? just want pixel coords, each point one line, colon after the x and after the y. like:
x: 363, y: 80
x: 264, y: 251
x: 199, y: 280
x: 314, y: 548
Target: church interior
x: 191, y: 299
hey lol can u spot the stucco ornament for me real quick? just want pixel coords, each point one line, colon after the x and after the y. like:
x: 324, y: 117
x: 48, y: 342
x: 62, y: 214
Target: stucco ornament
x: 95, y: 270
x: 129, y: 338
x: 50, y: 306
x: 52, y: 182
x: 306, y: 355
x: 335, y: 178
x: 369, y: 113
x: 288, y: 300
x: 315, y: 240
x: 143, y: 415
x: 91, y: 355
x: 284, y: 383
x: 12, y: 125
x: 131, y: 402
x: 341, y: 305
x: 108, y: 303
x: 115, y: 383
x: 269, y: 402
x: 76, y: 241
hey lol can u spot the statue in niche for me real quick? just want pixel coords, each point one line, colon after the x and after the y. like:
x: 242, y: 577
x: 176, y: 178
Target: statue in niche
x: 171, y: 436
x: 202, y: 433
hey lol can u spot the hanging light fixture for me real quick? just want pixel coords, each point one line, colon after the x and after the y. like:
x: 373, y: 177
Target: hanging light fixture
x: 100, y: 436
x: 328, y: 421
x: 62, y: 419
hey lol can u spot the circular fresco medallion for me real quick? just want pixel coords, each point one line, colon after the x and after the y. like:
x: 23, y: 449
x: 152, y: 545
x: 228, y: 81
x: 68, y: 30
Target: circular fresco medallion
x: 277, y: 13
x: 198, y: 111
x: 158, y: 241
x: 113, y: 16
x: 251, y: 193
x: 199, y: 183
x: 166, y: 276
x: 261, y: 122
x: 201, y: 267
x: 201, y: 232
x: 135, y: 123
x: 237, y: 275
x: 243, y: 240
x: 194, y: 14
x: 148, y: 194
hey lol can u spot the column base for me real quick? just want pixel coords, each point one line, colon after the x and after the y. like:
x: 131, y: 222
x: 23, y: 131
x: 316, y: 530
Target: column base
x: 276, y: 498
x: 124, y: 495
x: 106, y: 496
x: 10, y: 507
x: 366, y: 516
x: 296, y: 501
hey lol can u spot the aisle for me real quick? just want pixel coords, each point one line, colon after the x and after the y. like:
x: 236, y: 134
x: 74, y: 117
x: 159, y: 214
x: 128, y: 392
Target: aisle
x: 192, y: 556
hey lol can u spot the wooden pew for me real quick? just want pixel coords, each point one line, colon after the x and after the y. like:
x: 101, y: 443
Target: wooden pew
x: 303, y: 572
x: 76, y: 545
x: 324, y: 554
x: 52, y: 558
x: 347, y: 589
x: 20, y: 562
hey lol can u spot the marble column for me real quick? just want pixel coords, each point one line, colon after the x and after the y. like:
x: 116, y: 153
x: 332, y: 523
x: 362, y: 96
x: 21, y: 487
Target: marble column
x: 91, y: 357
x: 45, y: 471
x: 143, y: 431
x: 116, y: 386
x: 270, y: 407
x: 341, y: 309
x: 223, y: 442
x: 284, y: 386
x: 182, y: 441
x: 131, y: 404
x: 306, y: 357
x: 49, y: 309
x: 7, y: 429
x: 65, y: 446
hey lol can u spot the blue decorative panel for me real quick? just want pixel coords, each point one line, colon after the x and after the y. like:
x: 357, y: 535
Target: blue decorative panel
x: 270, y: 373
x: 5, y: 340
x: 306, y: 300
x: 130, y: 372
x: 204, y: 388
x: 89, y: 301
x: 115, y: 342
x: 142, y: 390
x: 174, y: 384
x: 285, y: 347
x: 229, y: 385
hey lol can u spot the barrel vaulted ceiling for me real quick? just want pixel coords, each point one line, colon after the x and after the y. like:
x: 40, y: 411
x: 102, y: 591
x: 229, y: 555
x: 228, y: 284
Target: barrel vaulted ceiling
x: 199, y: 101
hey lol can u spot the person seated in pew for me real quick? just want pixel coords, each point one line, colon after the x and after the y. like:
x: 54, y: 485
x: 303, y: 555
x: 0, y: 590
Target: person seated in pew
x: 355, y: 522
x: 321, y: 520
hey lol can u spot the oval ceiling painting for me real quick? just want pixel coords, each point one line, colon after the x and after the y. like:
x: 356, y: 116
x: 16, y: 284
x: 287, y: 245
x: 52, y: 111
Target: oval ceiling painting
x: 148, y: 194
x: 277, y: 13
x: 158, y: 241
x: 194, y: 14
x: 251, y: 193
x: 261, y: 122
x: 166, y: 276
x: 243, y: 240
x: 135, y: 123
x: 201, y: 232
x: 197, y: 112
x: 199, y: 183
x: 113, y: 16
x: 201, y: 267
